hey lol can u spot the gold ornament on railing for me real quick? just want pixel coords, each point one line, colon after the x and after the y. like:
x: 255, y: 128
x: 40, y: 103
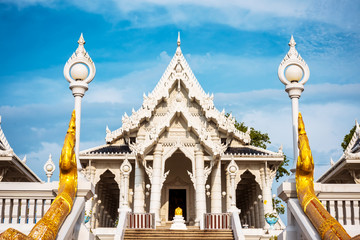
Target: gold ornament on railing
x: 325, y: 224
x: 49, y: 225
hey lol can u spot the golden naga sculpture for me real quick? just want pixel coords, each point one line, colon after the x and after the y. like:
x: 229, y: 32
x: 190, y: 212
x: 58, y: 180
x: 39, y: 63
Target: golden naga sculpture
x: 178, y: 211
x: 48, y: 227
x: 325, y: 224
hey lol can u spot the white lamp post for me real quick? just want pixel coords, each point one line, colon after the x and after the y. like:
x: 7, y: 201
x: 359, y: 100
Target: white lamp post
x: 79, y: 71
x: 293, y: 72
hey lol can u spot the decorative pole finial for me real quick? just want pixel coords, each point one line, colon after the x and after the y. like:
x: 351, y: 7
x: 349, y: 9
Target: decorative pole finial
x: 178, y: 40
x: 292, y: 42
x: 81, y: 40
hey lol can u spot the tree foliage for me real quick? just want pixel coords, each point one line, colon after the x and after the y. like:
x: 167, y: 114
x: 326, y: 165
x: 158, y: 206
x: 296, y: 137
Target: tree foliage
x: 347, y: 138
x: 259, y: 139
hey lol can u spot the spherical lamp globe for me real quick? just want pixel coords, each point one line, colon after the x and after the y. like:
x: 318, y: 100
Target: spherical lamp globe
x: 293, y: 73
x: 79, y: 71
x: 49, y: 167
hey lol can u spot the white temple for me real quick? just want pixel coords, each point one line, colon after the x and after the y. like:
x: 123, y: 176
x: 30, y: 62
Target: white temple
x: 178, y: 150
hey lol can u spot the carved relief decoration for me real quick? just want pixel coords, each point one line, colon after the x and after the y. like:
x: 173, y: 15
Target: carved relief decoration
x: 177, y: 70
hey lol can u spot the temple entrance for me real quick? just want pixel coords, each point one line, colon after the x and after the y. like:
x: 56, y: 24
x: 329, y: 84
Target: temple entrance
x: 178, y: 190
x: 177, y: 198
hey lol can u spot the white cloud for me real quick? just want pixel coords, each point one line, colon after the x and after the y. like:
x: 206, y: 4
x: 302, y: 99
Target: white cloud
x: 261, y: 14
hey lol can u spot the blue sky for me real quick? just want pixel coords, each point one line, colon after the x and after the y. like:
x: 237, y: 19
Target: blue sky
x: 233, y: 47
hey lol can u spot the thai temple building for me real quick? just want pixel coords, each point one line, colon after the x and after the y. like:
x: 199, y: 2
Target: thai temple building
x: 177, y: 165
x: 178, y: 150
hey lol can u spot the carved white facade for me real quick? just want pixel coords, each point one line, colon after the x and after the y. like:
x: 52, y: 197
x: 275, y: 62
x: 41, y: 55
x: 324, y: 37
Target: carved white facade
x: 177, y: 148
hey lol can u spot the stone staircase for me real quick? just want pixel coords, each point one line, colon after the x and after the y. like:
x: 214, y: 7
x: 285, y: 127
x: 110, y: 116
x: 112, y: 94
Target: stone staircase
x: 194, y: 234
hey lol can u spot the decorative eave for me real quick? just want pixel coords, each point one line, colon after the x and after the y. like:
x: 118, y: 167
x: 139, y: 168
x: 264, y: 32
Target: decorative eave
x: 107, y: 149
x: 5, y: 148
x: 250, y: 150
x: 352, y: 149
x: 351, y: 155
x: 178, y: 69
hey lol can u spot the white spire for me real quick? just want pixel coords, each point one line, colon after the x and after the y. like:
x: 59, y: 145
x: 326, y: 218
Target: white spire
x: 81, y: 49
x: 331, y: 162
x: 178, y: 40
x: 24, y: 159
x: 292, y: 42
x: 178, y: 50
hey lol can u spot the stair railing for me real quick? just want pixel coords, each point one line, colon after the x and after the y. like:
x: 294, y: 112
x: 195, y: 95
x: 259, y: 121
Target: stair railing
x: 217, y: 220
x: 141, y: 220
x: 236, y: 226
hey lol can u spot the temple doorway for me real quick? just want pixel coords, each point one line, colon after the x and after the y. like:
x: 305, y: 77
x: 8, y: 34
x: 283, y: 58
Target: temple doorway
x: 177, y: 198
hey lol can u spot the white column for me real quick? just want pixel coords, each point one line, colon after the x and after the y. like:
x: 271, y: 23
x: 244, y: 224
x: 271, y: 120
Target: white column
x: 257, y: 215
x: 266, y: 194
x: 78, y: 98
x: 228, y: 192
x: 252, y: 213
x: 232, y: 169
x: 139, y: 190
x: 295, y: 112
x: 200, y: 185
x: 125, y: 169
x: 156, y: 184
x: 216, y: 206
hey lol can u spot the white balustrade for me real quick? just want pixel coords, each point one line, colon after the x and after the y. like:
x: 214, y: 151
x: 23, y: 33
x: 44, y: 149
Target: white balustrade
x: 217, y: 220
x: 141, y: 220
x: 23, y: 205
x: 342, y: 201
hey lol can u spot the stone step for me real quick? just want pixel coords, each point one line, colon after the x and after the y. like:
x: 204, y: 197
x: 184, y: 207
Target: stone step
x: 194, y: 234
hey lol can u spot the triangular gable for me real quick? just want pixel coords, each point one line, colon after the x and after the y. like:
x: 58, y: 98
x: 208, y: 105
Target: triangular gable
x: 177, y: 70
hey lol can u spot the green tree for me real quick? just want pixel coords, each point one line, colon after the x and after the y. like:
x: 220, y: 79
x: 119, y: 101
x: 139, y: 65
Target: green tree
x: 347, y: 138
x: 259, y: 139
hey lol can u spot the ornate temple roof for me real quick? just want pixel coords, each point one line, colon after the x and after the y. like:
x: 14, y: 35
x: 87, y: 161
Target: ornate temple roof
x: 178, y: 69
x: 178, y: 73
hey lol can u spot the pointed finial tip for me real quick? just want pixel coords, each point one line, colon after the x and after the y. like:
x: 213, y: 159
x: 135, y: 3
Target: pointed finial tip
x: 178, y: 40
x: 292, y: 42
x: 81, y: 39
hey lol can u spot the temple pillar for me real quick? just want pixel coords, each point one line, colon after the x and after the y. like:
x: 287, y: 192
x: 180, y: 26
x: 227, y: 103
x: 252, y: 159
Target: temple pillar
x: 139, y: 190
x: 200, y: 186
x: 257, y: 215
x: 216, y: 206
x: 125, y: 170
x: 266, y: 194
x: 252, y: 213
x: 156, y: 184
x: 228, y: 192
x: 232, y: 170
